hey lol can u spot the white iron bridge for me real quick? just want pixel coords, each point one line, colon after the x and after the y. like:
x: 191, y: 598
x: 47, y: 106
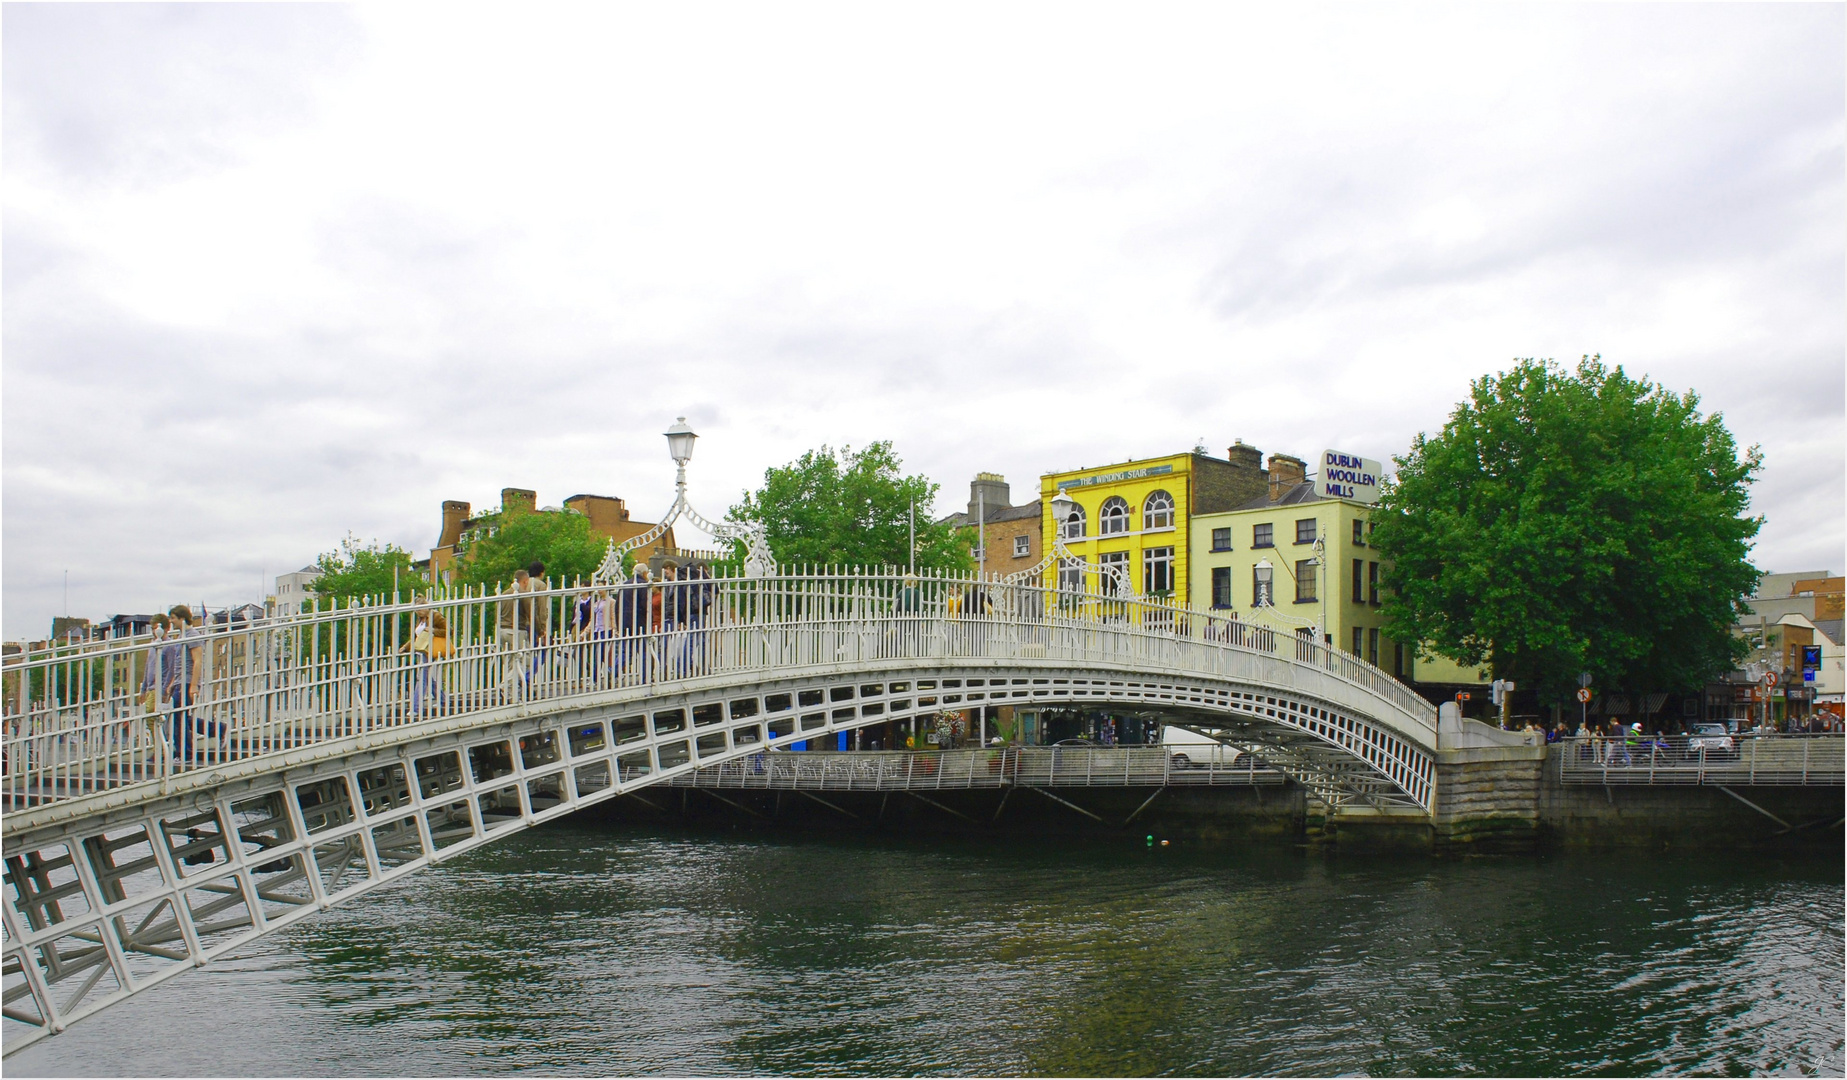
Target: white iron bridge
x: 301, y: 761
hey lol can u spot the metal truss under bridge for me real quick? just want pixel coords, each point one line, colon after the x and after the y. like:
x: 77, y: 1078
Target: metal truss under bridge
x: 280, y: 767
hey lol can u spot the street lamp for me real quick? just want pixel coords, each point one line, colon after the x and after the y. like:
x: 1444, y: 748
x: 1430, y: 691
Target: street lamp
x: 1062, y: 508
x: 680, y: 447
x: 759, y: 561
x: 1266, y: 593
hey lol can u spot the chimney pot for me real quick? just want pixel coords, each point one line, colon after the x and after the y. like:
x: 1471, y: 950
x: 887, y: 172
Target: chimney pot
x: 988, y: 492
x: 1286, y: 472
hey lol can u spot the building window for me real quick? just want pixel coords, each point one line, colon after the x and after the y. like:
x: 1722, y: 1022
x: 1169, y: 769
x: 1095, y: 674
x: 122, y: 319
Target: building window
x: 1372, y: 582
x: 1158, y: 511
x: 1372, y: 647
x: 1359, y: 582
x: 1157, y: 571
x: 1304, y: 643
x: 1022, y: 547
x: 1113, y: 518
x: 1261, y: 535
x: 1359, y: 637
x: 1398, y: 661
x: 1221, y: 539
x: 1304, y: 580
x: 1071, y: 575
x: 1305, y: 531
x: 1261, y: 595
x: 976, y: 554
x: 1221, y: 586
x: 1113, y: 563
x: 1359, y: 533
x: 1073, y: 526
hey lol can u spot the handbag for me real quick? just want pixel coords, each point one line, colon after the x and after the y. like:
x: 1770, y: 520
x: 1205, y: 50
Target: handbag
x: 150, y: 701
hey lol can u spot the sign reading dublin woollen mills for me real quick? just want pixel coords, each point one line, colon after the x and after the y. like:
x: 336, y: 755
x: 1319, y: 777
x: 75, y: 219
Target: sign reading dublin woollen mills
x: 1346, y: 476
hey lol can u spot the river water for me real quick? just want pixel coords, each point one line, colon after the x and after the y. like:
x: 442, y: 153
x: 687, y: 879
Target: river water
x: 586, y: 948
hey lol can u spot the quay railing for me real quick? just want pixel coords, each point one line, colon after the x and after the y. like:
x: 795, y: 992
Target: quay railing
x: 1746, y: 760
x: 997, y: 767
x: 98, y: 715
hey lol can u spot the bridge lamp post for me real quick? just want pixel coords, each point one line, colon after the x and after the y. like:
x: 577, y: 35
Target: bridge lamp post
x: 1063, y: 506
x: 1266, y: 575
x: 759, y: 560
x: 680, y: 447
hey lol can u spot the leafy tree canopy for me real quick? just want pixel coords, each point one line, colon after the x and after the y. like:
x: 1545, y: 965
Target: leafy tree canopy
x: 366, y: 570
x: 850, y: 508
x: 1565, y: 522
x: 502, y: 543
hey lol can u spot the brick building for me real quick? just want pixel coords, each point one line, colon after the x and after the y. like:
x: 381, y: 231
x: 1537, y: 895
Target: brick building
x: 1014, y: 535
x: 609, y: 519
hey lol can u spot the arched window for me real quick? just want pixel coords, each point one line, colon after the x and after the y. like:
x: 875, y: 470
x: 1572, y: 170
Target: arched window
x: 1113, y: 517
x: 1072, y: 528
x: 1158, y: 511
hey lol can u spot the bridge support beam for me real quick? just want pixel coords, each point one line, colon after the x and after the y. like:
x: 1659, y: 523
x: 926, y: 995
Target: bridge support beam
x: 829, y: 805
x: 1067, y: 802
x: 940, y: 806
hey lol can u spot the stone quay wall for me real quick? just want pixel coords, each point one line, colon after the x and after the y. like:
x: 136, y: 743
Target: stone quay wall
x: 1491, y: 800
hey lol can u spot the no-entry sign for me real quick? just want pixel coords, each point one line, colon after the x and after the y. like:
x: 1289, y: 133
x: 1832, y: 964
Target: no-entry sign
x: 1584, y: 694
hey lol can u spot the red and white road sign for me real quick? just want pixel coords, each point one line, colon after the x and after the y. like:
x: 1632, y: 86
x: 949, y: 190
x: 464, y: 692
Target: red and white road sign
x: 1584, y: 694
x: 1769, y: 678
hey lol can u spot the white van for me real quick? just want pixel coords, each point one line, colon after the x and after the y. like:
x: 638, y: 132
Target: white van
x: 1190, y: 749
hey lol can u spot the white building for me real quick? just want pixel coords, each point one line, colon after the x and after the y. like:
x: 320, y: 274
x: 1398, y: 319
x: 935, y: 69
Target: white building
x: 293, y: 589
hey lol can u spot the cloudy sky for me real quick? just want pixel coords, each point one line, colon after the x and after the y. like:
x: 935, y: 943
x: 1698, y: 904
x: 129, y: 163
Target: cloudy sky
x: 273, y: 274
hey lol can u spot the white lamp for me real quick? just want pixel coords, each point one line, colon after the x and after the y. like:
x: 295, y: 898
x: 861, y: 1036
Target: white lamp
x: 1063, y: 506
x: 680, y: 442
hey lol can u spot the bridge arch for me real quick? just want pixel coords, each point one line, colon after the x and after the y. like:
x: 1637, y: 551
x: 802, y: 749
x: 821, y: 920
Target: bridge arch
x: 121, y: 875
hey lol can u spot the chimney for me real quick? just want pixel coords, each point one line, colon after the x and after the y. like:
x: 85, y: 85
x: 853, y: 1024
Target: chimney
x: 1245, y: 457
x: 1285, y: 473
x: 607, y: 513
x: 1248, y: 480
x: 518, y: 500
x: 454, y: 513
x: 989, y: 492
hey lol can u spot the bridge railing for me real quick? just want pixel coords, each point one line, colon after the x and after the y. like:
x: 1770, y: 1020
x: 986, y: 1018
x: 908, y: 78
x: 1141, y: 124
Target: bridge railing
x: 981, y: 767
x: 1745, y: 760
x: 101, y: 715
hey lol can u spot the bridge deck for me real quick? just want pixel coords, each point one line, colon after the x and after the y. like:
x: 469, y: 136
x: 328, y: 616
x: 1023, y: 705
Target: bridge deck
x: 88, y: 719
x: 294, y: 764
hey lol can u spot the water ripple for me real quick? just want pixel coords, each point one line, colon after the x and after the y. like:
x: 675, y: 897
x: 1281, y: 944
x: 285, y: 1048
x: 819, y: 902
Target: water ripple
x: 574, y: 949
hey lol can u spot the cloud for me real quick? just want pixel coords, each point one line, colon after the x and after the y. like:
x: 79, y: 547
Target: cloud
x: 148, y: 94
x: 276, y: 273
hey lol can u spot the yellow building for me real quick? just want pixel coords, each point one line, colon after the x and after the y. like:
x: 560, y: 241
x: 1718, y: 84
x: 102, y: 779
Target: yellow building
x: 1134, y: 514
x: 1278, y: 530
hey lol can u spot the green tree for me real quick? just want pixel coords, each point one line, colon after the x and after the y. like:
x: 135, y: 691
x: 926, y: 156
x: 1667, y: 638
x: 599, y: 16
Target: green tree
x: 850, y: 508
x: 1565, y: 522
x: 502, y: 543
x: 372, y: 569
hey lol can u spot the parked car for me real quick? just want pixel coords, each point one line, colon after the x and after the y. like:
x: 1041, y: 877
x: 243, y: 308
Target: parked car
x: 1713, y: 740
x: 1190, y: 749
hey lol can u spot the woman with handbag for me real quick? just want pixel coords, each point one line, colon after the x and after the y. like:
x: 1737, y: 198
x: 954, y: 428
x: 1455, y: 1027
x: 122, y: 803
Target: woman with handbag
x: 429, y: 643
